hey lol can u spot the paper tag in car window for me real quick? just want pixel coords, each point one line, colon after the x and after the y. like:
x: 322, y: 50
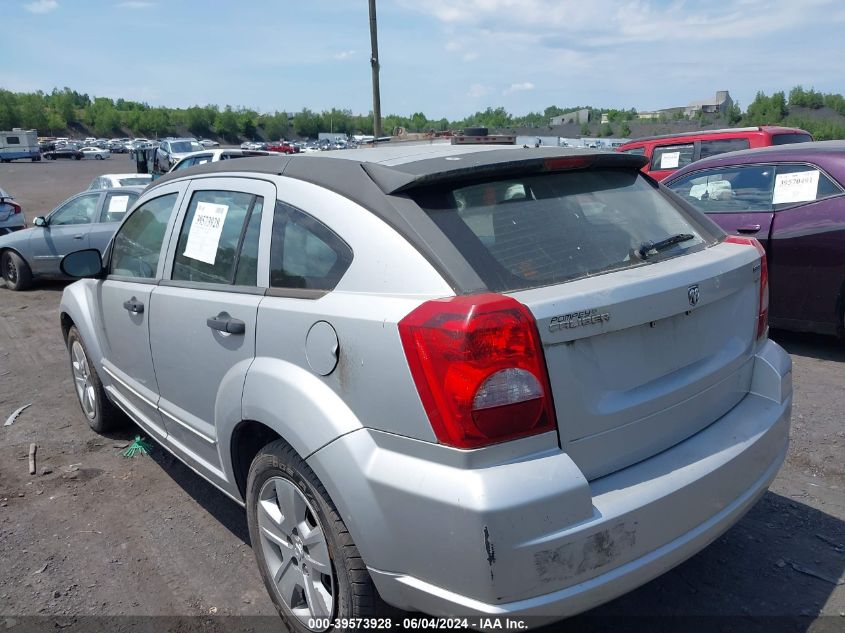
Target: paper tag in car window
x: 118, y: 204
x: 670, y: 160
x: 206, y: 228
x: 800, y: 186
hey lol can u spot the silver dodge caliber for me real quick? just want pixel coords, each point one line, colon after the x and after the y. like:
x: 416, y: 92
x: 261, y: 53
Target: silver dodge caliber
x: 463, y: 380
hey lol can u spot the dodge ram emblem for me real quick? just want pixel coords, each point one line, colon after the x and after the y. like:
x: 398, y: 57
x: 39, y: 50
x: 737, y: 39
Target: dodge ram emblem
x: 693, y: 294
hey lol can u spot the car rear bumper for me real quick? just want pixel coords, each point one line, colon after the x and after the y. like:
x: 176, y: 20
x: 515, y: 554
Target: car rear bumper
x: 530, y: 536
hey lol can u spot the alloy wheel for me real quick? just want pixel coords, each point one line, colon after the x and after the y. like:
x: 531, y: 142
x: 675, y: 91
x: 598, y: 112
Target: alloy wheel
x: 296, y: 552
x: 82, y: 380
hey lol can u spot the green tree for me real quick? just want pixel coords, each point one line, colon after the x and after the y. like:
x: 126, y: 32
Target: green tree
x: 606, y: 130
x: 307, y: 123
x: 33, y: 111
x: 625, y: 129
x: 228, y: 125
x: 734, y: 113
x: 585, y: 129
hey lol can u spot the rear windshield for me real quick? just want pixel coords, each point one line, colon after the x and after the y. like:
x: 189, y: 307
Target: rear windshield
x: 128, y: 182
x: 786, y: 139
x: 545, y: 229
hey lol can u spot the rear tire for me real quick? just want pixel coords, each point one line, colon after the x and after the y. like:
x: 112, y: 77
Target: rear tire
x: 310, y: 565
x: 101, y: 414
x: 15, y: 271
x: 99, y: 157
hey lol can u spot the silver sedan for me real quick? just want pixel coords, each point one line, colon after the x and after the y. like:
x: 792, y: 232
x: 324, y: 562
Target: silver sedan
x: 88, y: 219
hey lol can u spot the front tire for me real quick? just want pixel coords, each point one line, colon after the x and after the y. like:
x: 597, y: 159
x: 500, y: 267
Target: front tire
x: 15, y: 271
x: 310, y: 565
x: 101, y: 414
x: 99, y: 157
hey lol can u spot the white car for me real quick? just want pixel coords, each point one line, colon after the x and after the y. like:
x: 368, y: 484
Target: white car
x: 95, y: 152
x: 110, y: 181
x: 207, y: 142
x: 214, y: 155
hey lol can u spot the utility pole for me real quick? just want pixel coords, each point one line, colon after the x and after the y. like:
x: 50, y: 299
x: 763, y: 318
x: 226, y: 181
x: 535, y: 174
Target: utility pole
x: 375, y: 65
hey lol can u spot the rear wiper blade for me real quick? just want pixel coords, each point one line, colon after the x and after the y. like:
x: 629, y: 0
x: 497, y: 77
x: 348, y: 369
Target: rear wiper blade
x: 647, y: 248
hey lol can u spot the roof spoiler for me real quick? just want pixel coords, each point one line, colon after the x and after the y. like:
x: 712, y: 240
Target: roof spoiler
x: 505, y: 163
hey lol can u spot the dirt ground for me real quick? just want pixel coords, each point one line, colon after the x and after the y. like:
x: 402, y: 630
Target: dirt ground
x: 98, y: 534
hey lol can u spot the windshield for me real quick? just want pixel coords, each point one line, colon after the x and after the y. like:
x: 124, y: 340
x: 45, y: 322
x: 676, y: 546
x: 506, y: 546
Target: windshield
x: 183, y: 147
x: 542, y: 230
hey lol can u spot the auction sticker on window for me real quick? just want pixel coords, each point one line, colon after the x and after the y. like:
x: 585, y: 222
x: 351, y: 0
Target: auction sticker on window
x: 670, y: 160
x: 118, y: 204
x: 206, y: 228
x: 801, y: 186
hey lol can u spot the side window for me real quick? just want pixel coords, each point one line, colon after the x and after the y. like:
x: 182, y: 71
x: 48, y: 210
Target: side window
x: 795, y: 184
x: 637, y: 151
x: 211, y: 235
x: 137, y: 245
x: 116, y: 205
x: 80, y: 210
x: 720, y: 146
x: 304, y: 252
x: 672, y: 156
x: 729, y: 189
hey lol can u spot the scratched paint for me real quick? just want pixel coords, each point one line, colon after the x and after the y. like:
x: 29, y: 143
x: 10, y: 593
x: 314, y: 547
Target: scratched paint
x: 594, y: 552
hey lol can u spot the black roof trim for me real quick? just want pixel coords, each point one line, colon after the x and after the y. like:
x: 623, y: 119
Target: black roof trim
x: 412, y: 175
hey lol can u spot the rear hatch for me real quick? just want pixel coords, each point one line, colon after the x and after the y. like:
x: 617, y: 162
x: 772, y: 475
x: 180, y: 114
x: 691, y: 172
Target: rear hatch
x: 648, y: 322
x: 634, y: 367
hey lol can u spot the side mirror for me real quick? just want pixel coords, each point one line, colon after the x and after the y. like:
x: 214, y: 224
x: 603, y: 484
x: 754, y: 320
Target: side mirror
x: 40, y: 221
x: 87, y: 263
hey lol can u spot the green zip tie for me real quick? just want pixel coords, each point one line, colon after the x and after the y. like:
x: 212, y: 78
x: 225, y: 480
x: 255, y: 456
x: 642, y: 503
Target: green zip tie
x: 138, y: 446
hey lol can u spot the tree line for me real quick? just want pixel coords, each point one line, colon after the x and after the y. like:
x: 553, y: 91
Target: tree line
x: 65, y: 110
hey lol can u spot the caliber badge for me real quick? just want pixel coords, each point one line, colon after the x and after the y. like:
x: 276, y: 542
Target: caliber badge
x: 693, y: 294
x: 577, y: 319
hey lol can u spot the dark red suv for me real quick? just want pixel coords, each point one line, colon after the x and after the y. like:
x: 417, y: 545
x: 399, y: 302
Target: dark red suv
x: 670, y: 152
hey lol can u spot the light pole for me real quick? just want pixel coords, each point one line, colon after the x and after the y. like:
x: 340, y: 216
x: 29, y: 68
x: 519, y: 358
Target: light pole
x: 375, y: 66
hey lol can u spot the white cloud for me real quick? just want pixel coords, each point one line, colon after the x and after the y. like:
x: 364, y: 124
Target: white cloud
x: 525, y: 86
x: 41, y: 6
x: 135, y: 4
x: 469, y: 56
x: 343, y: 55
x: 477, y: 91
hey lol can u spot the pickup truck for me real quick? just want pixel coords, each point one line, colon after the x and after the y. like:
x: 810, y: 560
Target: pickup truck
x: 284, y: 147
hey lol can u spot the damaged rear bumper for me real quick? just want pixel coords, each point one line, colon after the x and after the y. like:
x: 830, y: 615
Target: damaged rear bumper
x: 530, y: 536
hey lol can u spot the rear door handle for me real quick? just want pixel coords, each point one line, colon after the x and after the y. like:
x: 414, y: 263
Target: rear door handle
x: 751, y: 228
x: 79, y: 237
x: 134, y: 306
x: 225, y: 323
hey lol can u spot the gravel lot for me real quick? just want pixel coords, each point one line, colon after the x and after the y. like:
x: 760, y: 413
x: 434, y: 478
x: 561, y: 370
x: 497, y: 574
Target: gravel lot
x: 97, y: 534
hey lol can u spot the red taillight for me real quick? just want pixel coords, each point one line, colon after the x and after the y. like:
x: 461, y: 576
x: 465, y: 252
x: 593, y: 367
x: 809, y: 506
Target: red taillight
x: 16, y: 208
x: 478, y: 366
x: 763, y: 318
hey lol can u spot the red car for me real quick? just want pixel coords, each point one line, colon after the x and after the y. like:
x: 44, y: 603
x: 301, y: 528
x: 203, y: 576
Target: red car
x: 281, y: 146
x: 670, y: 152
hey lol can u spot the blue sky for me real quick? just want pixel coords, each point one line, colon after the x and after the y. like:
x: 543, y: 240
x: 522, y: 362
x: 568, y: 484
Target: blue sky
x: 442, y: 57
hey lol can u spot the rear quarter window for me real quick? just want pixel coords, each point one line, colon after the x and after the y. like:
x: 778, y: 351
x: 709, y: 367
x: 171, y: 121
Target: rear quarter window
x: 672, y: 156
x: 542, y: 230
